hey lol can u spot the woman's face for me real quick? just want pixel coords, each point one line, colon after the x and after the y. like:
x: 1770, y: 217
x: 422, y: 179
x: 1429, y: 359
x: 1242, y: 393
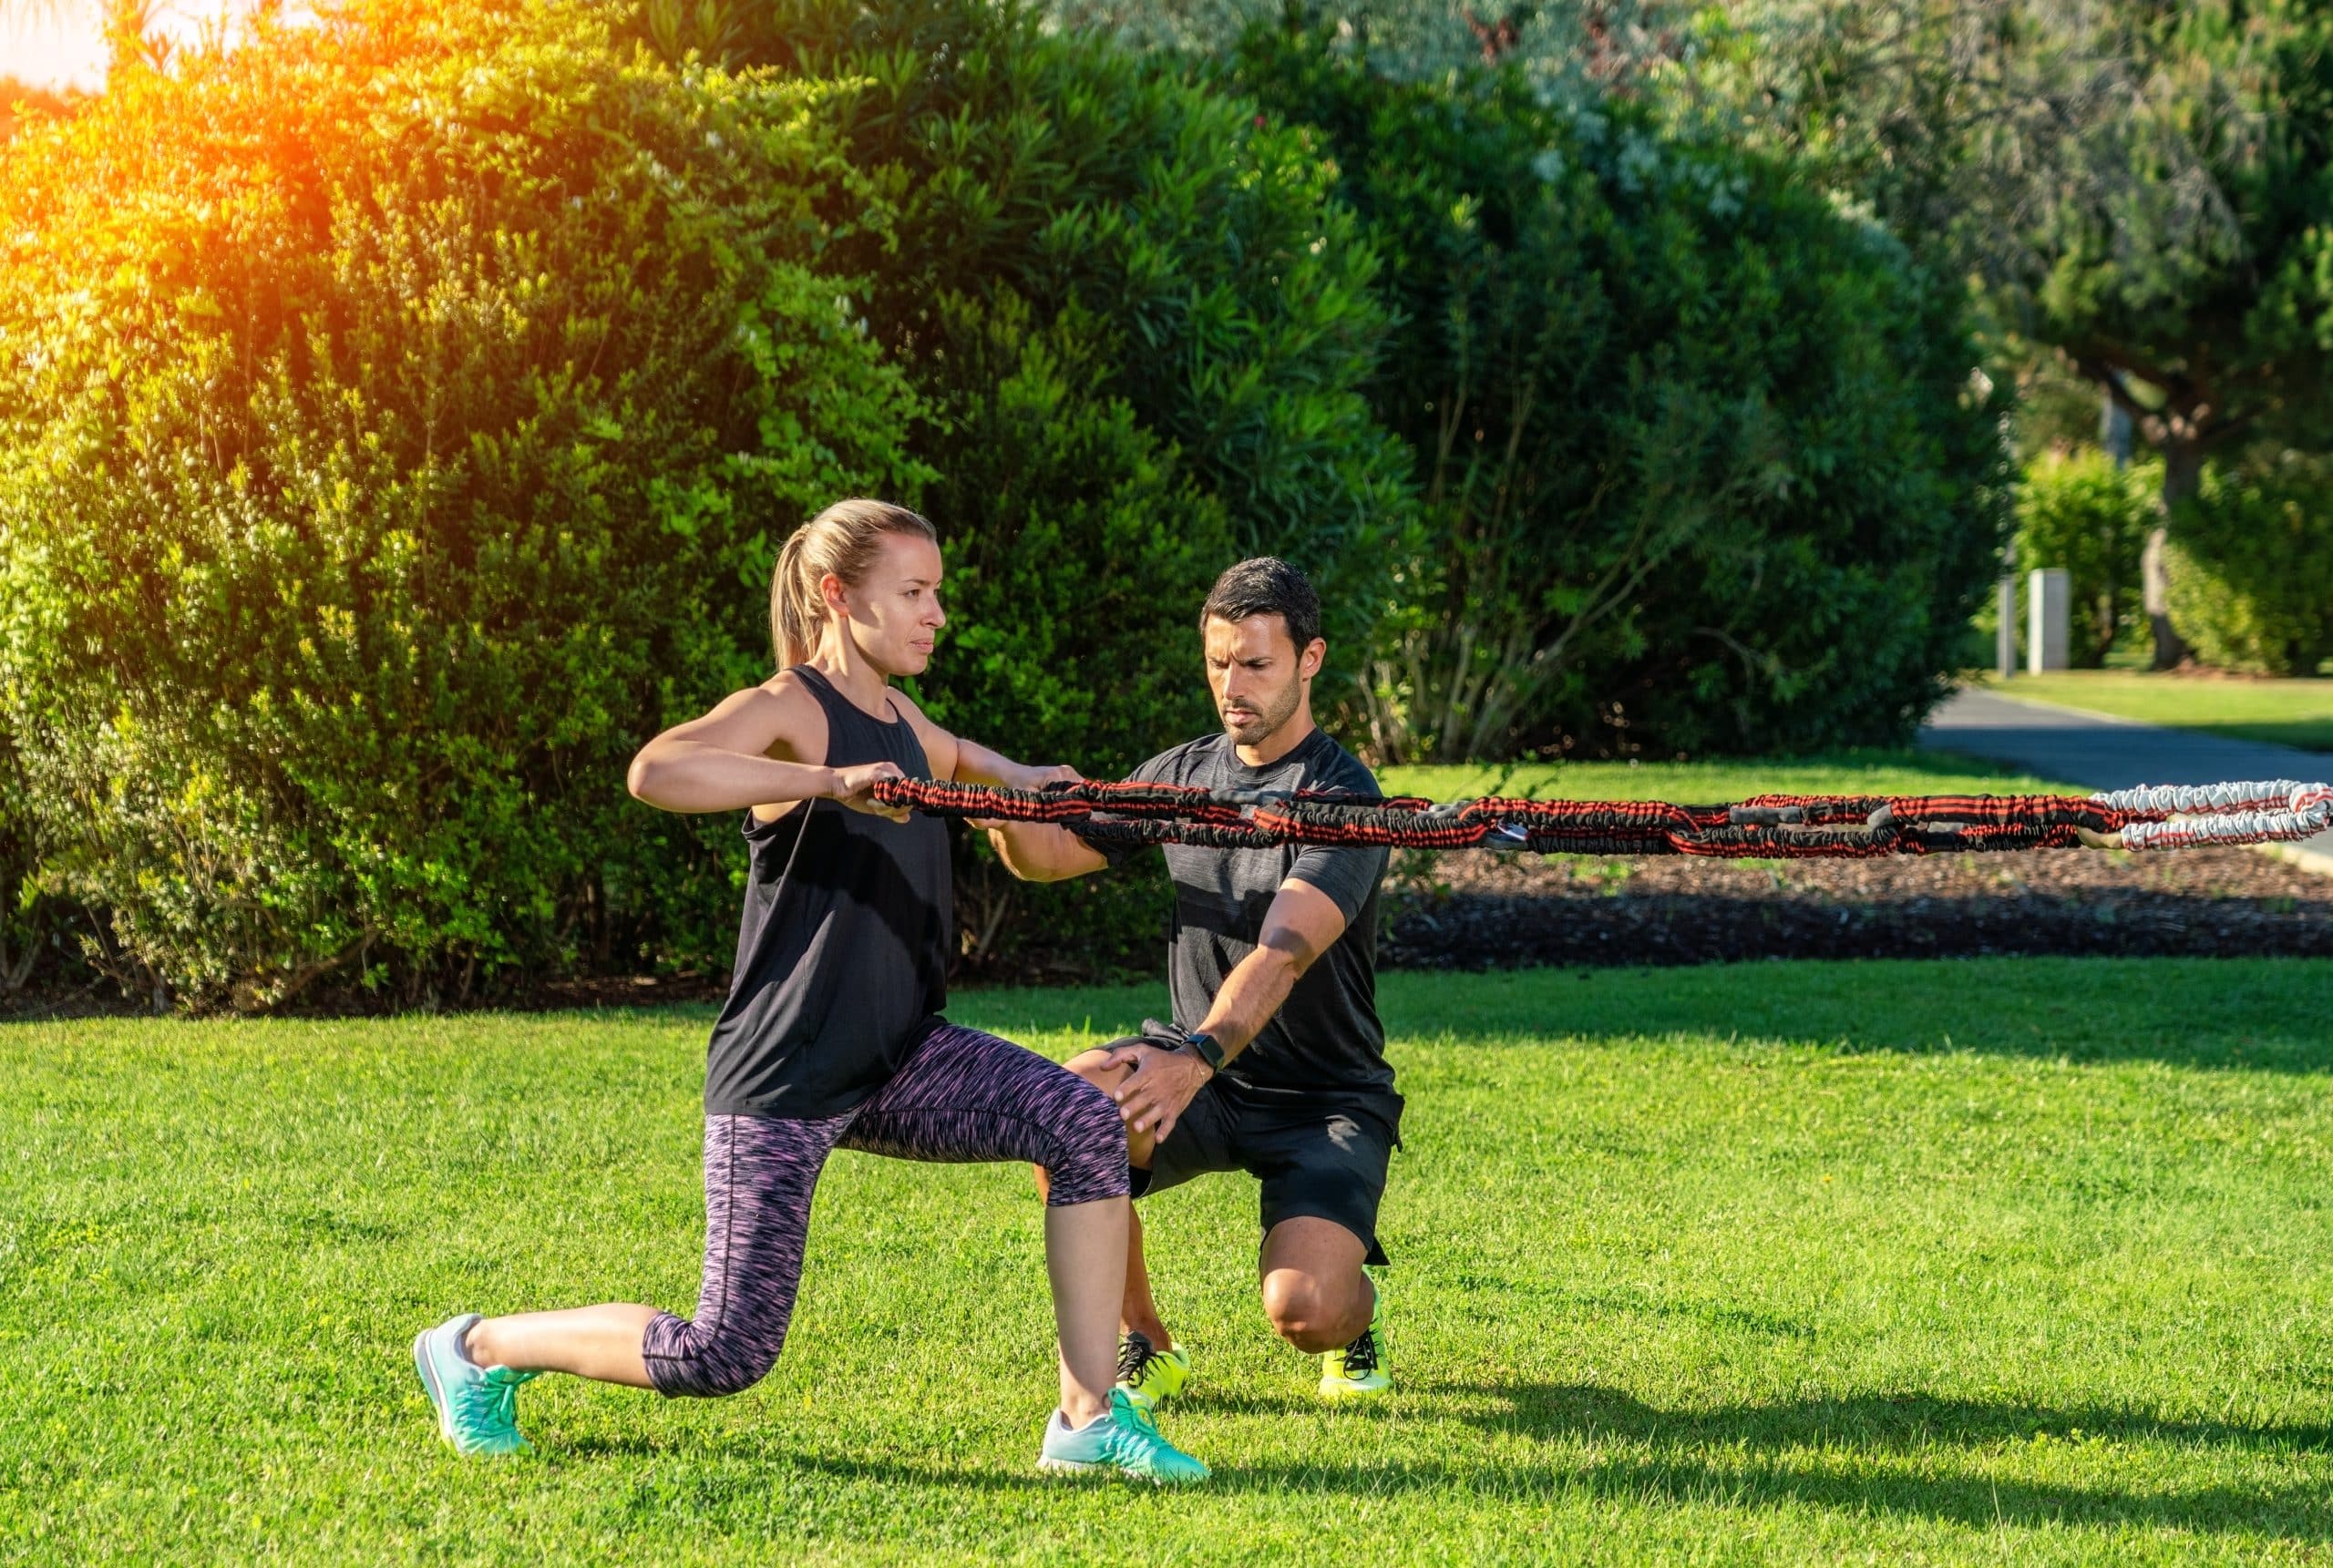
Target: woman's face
x: 893, y: 614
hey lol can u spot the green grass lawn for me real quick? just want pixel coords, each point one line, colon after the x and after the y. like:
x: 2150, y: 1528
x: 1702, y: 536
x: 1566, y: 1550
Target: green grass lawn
x: 2286, y: 712
x: 1973, y: 1262
x: 1726, y: 780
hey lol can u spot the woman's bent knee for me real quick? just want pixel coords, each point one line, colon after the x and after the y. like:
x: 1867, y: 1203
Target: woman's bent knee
x: 1090, y: 1138
x: 686, y: 1363
x: 1093, y: 1066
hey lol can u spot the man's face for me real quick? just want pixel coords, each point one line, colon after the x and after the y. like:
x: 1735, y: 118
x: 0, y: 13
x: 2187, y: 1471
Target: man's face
x: 1257, y: 674
x: 895, y: 614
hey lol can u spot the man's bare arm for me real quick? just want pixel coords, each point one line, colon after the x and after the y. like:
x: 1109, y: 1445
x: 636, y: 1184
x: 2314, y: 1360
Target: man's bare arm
x: 1301, y: 924
x: 1043, y: 852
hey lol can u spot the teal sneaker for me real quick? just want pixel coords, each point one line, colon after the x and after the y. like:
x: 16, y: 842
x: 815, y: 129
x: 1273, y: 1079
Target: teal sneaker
x: 1121, y: 1439
x: 477, y: 1407
x: 1359, y: 1370
x: 1151, y: 1377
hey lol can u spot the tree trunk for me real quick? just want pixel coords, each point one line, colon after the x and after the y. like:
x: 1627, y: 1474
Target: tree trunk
x: 2183, y: 473
x: 2115, y: 433
x: 2114, y: 430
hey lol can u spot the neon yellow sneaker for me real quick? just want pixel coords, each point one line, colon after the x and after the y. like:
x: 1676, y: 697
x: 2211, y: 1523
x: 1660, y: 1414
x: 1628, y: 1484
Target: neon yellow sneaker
x: 1359, y: 1370
x: 1151, y: 1377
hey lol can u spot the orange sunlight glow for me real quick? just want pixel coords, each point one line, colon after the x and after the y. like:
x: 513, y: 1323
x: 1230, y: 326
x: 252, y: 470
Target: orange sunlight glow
x: 61, y: 43
x: 45, y: 48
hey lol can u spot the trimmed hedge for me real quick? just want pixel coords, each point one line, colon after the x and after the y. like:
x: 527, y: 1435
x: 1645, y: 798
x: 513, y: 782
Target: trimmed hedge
x: 1141, y: 326
x: 32, y: 928
x: 424, y: 444
x: 2251, y: 561
x: 1186, y: 256
x: 398, y: 415
x: 2078, y: 511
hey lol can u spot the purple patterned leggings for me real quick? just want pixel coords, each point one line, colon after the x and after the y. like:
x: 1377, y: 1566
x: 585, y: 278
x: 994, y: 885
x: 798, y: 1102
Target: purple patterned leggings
x: 960, y: 1096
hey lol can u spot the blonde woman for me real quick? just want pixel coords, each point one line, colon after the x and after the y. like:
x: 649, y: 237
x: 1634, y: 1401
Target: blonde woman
x: 833, y: 1035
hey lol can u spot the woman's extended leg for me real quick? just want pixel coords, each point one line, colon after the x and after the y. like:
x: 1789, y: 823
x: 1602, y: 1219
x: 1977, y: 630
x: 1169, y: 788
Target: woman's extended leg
x: 759, y: 1175
x: 602, y: 1343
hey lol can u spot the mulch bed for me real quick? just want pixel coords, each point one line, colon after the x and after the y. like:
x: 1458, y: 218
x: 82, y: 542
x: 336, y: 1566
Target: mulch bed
x: 1478, y: 910
x: 1486, y: 910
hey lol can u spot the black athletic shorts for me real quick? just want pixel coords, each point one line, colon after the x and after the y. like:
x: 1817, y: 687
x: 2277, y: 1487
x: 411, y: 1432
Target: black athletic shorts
x: 1325, y: 1160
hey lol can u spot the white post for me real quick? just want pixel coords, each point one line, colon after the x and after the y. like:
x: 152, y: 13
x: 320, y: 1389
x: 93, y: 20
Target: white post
x: 2005, y: 634
x: 2048, y: 595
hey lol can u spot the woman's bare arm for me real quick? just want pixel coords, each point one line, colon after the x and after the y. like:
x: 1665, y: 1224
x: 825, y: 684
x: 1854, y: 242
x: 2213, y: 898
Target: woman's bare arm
x: 1033, y: 851
x: 756, y: 747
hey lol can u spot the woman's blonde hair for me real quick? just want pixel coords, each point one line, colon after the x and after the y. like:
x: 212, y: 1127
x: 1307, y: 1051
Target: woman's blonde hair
x: 844, y: 541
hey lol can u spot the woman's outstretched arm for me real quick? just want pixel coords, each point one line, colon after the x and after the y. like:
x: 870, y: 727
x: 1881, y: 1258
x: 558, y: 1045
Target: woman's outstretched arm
x: 1033, y: 851
x: 749, y: 752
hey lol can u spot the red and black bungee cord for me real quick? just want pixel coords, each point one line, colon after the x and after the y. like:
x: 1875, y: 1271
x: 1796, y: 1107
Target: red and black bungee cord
x: 1768, y: 826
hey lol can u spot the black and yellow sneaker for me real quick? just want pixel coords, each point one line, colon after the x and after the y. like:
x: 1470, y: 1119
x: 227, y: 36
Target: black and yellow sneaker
x: 1151, y: 1377
x: 1360, y: 1369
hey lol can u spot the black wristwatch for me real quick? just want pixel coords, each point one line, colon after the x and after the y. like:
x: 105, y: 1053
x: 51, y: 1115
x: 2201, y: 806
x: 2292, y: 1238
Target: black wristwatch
x: 1204, y: 1047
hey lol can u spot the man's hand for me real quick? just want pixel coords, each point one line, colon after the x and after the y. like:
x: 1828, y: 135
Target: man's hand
x: 1159, y: 1087
x: 853, y: 786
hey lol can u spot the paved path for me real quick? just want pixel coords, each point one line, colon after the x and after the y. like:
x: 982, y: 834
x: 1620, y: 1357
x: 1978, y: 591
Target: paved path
x: 2101, y: 753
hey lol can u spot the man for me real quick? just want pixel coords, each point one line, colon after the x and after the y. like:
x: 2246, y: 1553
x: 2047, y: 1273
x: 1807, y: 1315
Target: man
x: 1276, y: 1062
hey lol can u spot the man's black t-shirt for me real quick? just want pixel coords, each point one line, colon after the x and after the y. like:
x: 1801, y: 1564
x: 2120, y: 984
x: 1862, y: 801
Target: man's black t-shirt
x: 1326, y: 1039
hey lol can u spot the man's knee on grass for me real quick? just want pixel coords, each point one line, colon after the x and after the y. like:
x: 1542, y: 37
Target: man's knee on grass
x: 1311, y: 1314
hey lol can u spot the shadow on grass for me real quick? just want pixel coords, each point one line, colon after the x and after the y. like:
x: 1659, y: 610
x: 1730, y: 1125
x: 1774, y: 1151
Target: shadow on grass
x: 1793, y: 1452
x: 1866, y: 1423
x: 1859, y: 1456
x: 2301, y: 735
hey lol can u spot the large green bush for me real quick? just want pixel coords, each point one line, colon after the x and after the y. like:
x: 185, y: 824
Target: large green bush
x: 1187, y: 257
x: 1141, y: 325
x: 1176, y: 265
x: 1702, y: 463
x: 2251, y: 560
x: 30, y: 926
x: 395, y: 416
x: 2078, y: 511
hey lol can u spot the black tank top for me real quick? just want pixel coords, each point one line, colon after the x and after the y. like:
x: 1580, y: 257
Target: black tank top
x: 842, y: 970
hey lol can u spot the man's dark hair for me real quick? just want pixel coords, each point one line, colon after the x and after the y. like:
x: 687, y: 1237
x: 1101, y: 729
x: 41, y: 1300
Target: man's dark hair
x: 1265, y: 586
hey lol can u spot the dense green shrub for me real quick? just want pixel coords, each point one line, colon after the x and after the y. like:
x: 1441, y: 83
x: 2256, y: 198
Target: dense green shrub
x: 1072, y: 532
x: 30, y: 925
x: 1186, y: 255
x: 1700, y: 454
x: 395, y: 418
x: 1141, y: 325
x: 1175, y: 266
x: 21, y: 103
x: 2252, y: 566
x: 2079, y: 511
